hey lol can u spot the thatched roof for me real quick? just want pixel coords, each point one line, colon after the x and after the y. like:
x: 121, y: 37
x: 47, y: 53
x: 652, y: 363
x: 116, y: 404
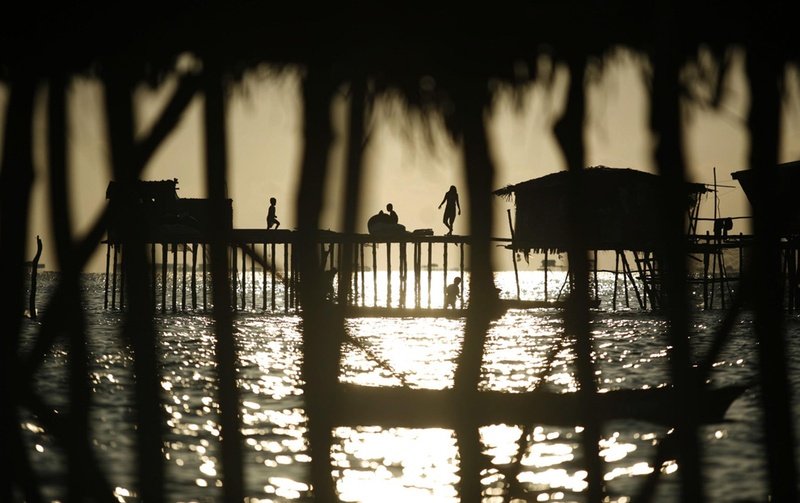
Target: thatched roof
x: 784, y: 194
x: 620, y: 209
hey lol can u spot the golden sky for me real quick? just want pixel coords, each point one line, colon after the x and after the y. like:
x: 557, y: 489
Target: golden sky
x: 403, y: 166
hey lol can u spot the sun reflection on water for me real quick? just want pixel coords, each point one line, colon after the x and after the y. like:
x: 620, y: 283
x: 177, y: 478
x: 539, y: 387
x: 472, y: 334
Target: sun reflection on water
x: 525, y: 350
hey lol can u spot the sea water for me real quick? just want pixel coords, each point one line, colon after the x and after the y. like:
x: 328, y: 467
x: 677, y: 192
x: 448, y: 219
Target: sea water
x: 374, y: 464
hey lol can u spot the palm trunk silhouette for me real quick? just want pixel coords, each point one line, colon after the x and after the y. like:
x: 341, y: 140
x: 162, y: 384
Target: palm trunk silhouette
x: 225, y: 340
x: 81, y: 462
x: 472, y: 101
x: 322, y: 327
x: 672, y: 252
x: 355, y: 152
x: 765, y: 73
x: 84, y: 249
x: 16, y: 179
x: 569, y: 133
x: 138, y: 328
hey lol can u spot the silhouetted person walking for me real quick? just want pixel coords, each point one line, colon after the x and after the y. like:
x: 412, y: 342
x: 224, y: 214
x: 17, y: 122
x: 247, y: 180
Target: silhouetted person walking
x: 272, y: 219
x: 392, y: 214
x: 451, y: 293
x: 451, y: 200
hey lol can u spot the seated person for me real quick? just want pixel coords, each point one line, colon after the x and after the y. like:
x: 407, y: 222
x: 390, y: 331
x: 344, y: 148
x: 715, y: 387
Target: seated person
x: 382, y: 225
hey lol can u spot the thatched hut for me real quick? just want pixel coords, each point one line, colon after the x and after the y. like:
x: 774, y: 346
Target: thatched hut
x: 621, y: 204
x: 782, y: 193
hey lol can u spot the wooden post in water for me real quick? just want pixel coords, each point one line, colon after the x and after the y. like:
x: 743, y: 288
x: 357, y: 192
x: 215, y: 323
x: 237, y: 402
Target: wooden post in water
x: 514, y: 259
x: 375, y: 274
x: 286, y: 295
x: 403, y: 271
x: 253, y: 277
x: 205, y: 290
x: 153, y: 273
x: 34, y: 273
x: 194, y: 276
x: 417, y: 270
x: 183, y: 281
x: 234, y: 277
x: 388, y: 274
x: 122, y: 276
x: 264, y: 278
x: 114, y: 280
x: 361, y: 254
x: 461, y: 275
x: 244, y: 279
x: 546, y: 268
x: 444, y: 269
x: 705, y: 274
x: 108, y: 259
x: 272, y: 267
x: 594, y: 270
x: 430, y: 271
x: 616, y: 274
x: 174, y: 277
x: 164, y: 262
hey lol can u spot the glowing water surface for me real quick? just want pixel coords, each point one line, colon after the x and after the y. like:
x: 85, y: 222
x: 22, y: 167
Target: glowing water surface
x: 373, y: 464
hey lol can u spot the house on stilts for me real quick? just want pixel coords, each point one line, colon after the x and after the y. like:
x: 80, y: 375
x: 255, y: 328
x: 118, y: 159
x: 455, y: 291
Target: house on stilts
x: 619, y: 208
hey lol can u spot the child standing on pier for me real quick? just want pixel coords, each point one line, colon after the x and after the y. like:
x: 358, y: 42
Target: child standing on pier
x: 272, y: 219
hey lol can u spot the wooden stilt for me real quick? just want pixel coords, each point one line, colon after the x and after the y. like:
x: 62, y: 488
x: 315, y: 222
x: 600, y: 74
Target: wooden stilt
x: 375, y: 274
x: 616, y: 275
x: 361, y: 261
x: 205, y: 290
x: 388, y: 274
x: 164, y: 263
x: 244, y: 279
x: 271, y: 278
x: 253, y: 278
x: 153, y: 278
x: 183, y: 280
x: 234, y: 278
x: 114, y: 280
x: 108, y: 265
x: 174, y: 277
x: 264, y: 277
x: 514, y: 257
x: 285, y: 277
x: 430, y: 271
x: 444, y: 269
x: 122, y: 253
x: 194, y: 276
x: 461, y: 274
x: 546, y: 269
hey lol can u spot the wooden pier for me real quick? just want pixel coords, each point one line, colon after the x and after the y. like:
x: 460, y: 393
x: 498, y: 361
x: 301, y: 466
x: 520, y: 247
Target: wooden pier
x: 264, y: 278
